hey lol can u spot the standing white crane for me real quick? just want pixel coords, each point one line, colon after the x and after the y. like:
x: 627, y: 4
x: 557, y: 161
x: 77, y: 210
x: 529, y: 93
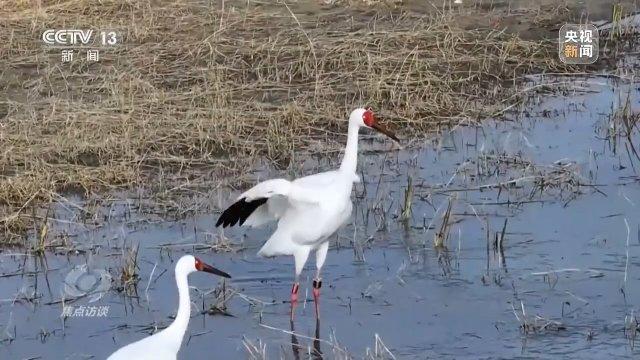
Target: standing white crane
x: 166, y: 344
x: 308, y: 209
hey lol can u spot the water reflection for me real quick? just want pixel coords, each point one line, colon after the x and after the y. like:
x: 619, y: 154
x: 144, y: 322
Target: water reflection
x: 315, y: 353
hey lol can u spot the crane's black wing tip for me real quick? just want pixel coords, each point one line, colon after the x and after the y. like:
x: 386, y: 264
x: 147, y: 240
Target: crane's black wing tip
x: 239, y: 212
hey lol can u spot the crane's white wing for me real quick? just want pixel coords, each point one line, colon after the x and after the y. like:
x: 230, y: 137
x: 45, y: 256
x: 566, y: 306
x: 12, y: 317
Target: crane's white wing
x: 267, y: 201
x: 323, y: 179
x: 272, y: 210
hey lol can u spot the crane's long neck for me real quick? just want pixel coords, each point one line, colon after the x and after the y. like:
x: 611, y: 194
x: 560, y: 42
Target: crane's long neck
x: 350, y: 159
x: 175, y: 332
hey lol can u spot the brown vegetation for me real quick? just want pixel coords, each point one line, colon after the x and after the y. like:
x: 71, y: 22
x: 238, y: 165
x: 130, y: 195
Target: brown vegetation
x: 195, y: 84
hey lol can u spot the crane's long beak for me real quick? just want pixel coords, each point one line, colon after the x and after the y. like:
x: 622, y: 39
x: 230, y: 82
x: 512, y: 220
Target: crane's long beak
x: 210, y: 269
x: 383, y: 129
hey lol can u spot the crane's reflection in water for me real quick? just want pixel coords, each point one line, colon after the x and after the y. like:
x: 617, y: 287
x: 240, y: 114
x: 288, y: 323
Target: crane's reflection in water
x: 315, y: 353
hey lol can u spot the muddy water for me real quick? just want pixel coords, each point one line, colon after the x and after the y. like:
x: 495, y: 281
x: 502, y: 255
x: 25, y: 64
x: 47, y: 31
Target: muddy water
x: 565, y: 254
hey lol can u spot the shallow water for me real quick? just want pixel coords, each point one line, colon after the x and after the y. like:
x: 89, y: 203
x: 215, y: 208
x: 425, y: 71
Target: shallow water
x: 565, y: 256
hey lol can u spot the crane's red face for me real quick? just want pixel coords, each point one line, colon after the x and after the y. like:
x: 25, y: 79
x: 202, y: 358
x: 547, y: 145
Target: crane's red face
x: 370, y: 121
x: 201, y: 266
x: 368, y: 118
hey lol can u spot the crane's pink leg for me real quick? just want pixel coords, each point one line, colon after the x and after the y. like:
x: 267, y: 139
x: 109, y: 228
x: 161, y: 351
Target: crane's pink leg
x: 317, y: 284
x: 294, y: 298
x: 294, y: 293
x: 300, y: 256
x: 321, y: 256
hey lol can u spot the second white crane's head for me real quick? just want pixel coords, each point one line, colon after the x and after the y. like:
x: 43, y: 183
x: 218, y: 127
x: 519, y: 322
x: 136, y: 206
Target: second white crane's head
x: 188, y: 264
x: 365, y: 118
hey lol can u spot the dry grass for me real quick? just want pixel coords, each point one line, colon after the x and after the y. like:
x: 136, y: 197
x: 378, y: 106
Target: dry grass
x: 129, y: 270
x: 535, y: 324
x: 623, y: 125
x: 194, y: 85
x: 440, y: 238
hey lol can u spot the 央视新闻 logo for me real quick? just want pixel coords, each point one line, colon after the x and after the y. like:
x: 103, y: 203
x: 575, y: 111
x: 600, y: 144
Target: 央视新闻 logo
x: 578, y: 44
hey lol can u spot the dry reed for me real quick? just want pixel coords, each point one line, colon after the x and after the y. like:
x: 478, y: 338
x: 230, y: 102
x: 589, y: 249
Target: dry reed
x: 194, y: 86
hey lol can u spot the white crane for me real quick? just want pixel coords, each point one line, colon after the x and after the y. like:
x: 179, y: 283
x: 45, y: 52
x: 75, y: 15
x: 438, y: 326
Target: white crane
x: 166, y: 344
x: 308, y: 209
